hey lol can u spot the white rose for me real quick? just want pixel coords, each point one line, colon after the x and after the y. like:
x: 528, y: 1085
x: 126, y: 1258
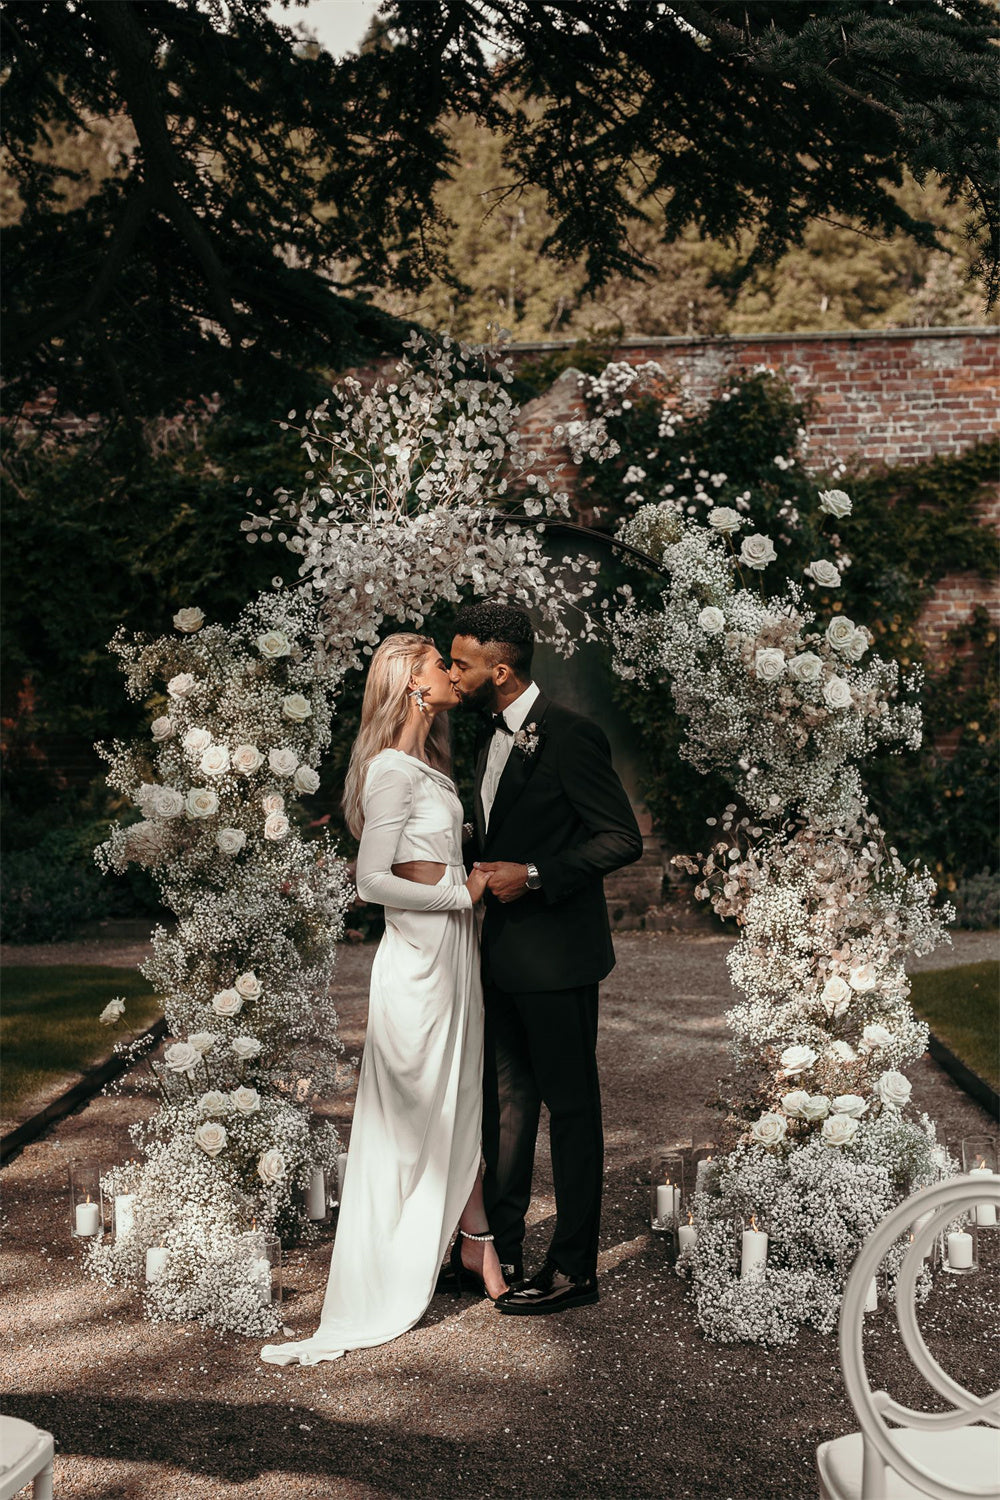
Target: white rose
x: 876, y: 1036
x: 769, y: 1130
x: 841, y: 1052
x: 893, y: 1089
x: 817, y: 1107
x: 839, y: 1130
x: 166, y: 802
x: 272, y: 644
x: 797, y: 1060
x: 837, y: 693
x: 275, y: 826
x: 162, y: 728
x: 247, y: 1101
x: 863, y: 978
x: 201, y: 802
x: 196, y: 740
x: 849, y: 1104
x: 211, y: 1137
x: 230, y: 840
x: 112, y: 1012
x: 227, y: 1003
x: 181, y: 1057
x: 757, y: 551
x: 824, y: 573
x: 857, y: 645
x: 835, y: 502
x: 181, y: 685
x: 836, y: 996
x: 306, y: 780
x: 247, y: 759
x: 282, y: 761
x: 189, y: 620
x: 712, y: 620
x: 213, y: 1104
x: 769, y: 664
x: 215, y: 761
x: 204, y: 1041
x: 249, y: 986
x: 245, y: 1047
x: 723, y: 518
x: 839, y: 632
x: 794, y: 1103
x: 271, y: 1167
x: 296, y: 708
x: 273, y: 802
x: 806, y: 667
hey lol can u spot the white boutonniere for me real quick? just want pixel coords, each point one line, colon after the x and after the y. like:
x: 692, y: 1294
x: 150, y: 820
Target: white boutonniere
x: 527, y: 741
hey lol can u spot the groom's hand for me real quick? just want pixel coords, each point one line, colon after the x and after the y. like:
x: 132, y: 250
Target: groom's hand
x: 507, y: 881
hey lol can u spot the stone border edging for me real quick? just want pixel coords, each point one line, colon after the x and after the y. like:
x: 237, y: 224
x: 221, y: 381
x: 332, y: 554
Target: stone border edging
x: 977, y: 1088
x: 78, y: 1093
x: 808, y: 335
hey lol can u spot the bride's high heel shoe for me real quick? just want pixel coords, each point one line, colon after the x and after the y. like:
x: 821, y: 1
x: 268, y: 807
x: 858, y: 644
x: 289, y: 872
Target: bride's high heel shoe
x: 466, y: 1280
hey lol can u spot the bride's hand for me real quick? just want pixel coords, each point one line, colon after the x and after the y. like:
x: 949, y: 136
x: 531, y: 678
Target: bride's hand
x: 476, y: 883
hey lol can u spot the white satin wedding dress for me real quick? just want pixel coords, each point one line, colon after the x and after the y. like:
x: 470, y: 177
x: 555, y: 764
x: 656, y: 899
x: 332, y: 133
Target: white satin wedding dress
x: 415, y: 1137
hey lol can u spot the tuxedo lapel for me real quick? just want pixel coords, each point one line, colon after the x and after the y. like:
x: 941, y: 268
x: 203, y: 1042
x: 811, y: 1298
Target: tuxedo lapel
x: 516, y: 773
x: 478, y: 815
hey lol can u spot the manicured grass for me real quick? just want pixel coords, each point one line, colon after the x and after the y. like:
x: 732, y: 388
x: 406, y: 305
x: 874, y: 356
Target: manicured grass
x: 49, y: 1028
x: 962, y: 1008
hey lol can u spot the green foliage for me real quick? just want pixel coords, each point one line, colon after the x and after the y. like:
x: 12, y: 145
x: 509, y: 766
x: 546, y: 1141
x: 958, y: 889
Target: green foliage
x: 960, y: 1006
x: 50, y: 1030
x: 910, y: 527
x: 50, y: 887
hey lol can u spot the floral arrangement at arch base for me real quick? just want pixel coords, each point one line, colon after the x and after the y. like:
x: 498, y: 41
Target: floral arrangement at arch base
x: 820, y: 1139
x: 243, y: 719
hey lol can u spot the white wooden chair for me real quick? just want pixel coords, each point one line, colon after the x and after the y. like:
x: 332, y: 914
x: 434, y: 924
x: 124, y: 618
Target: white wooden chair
x: 930, y: 1453
x: 25, y: 1455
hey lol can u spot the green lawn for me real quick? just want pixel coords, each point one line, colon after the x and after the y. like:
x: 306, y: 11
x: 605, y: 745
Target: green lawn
x: 962, y: 1008
x: 49, y: 1028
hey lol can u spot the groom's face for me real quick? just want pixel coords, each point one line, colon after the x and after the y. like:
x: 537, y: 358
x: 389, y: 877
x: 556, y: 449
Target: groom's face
x: 473, y: 675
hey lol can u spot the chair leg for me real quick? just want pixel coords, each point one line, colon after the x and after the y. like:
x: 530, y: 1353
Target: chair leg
x: 874, y: 1475
x: 41, y: 1489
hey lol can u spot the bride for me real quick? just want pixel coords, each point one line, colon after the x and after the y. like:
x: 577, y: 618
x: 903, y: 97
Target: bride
x: 415, y: 1138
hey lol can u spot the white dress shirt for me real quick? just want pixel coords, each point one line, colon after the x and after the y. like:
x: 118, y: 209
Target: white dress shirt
x: 515, y: 716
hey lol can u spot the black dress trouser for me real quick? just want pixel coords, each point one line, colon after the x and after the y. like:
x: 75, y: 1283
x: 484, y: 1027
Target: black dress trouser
x: 541, y: 1048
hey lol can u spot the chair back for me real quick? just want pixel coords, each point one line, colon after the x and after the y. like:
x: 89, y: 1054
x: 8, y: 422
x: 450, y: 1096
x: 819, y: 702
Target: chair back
x: 944, y: 1201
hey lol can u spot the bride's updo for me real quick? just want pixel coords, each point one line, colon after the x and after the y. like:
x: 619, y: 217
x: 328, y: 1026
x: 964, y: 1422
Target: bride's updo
x: 384, y: 711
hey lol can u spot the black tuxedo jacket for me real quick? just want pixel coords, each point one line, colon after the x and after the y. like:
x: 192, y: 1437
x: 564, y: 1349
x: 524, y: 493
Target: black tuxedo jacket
x: 563, y: 809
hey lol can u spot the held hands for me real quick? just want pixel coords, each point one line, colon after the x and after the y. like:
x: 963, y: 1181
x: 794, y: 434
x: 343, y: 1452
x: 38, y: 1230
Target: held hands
x: 476, y: 883
x: 507, y: 881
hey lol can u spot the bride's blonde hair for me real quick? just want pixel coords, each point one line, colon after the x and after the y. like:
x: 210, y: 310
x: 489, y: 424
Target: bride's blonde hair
x: 384, y: 711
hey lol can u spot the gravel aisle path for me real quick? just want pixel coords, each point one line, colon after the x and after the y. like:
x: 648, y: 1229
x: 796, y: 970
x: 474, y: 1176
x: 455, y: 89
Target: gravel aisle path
x: 622, y: 1399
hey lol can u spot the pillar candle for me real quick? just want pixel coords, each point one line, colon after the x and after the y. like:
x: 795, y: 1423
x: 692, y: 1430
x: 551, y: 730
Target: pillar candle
x: 754, y: 1250
x: 871, y: 1299
x: 341, y: 1171
x: 87, y: 1218
x: 124, y: 1215
x: 918, y: 1224
x: 986, y: 1213
x: 667, y: 1201
x: 316, y: 1194
x: 156, y: 1262
x: 687, y: 1236
x: 960, y: 1251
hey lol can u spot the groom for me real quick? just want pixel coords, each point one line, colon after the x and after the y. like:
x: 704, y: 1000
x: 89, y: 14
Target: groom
x: 551, y: 820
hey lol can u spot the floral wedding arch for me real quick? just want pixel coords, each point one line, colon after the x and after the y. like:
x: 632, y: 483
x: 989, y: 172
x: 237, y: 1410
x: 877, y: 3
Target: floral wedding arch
x: 406, y: 501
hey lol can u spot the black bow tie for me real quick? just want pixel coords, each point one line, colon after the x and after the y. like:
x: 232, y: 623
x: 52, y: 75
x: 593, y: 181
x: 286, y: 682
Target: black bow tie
x: 499, y: 722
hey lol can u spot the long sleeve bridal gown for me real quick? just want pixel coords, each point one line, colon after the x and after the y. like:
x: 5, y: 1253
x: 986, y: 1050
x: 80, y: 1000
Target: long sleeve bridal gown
x: 415, y: 1137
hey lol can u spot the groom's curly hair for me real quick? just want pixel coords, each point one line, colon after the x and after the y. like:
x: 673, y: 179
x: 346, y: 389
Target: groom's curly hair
x: 504, y: 629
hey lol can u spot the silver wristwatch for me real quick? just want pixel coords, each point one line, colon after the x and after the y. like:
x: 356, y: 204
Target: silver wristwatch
x: 534, y: 880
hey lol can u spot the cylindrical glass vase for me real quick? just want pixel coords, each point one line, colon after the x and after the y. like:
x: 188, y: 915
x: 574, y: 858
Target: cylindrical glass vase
x: 86, y: 1201
x: 666, y: 1188
x: 979, y: 1159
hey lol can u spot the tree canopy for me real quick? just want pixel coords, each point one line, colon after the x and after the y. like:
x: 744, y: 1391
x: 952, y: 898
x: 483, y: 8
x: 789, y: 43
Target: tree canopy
x: 258, y: 192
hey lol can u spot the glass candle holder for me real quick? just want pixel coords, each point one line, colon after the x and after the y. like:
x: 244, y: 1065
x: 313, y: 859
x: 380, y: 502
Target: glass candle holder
x: 123, y: 1216
x: 666, y: 1188
x: 979, y: 1159
x: 269, y: 1279
x: 86, y: 1201
x: 932, y: 1251
x: 702, y: 1167
x: 960, y: 1245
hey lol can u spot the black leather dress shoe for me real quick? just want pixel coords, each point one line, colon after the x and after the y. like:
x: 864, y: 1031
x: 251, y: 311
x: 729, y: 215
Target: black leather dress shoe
x: 549, y: 1291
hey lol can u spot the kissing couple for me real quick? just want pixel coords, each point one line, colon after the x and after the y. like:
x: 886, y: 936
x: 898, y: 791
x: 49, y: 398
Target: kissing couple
x: 469, y: 1034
